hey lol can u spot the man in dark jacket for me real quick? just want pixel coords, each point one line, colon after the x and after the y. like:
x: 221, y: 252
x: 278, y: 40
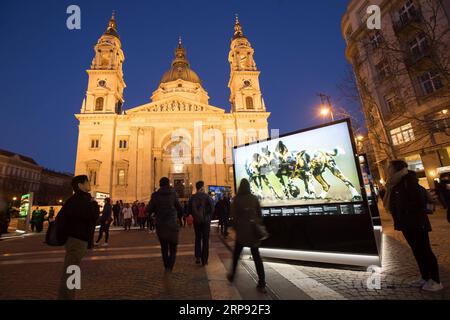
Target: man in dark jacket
x: 105, y: 222
x: 407, y: 202
x: 201, y: 207
x: 80, y: 213
x: 165, y: 204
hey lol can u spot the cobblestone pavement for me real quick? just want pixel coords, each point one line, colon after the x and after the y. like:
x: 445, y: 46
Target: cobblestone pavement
x: 398, y: 269
x: 131, y: 268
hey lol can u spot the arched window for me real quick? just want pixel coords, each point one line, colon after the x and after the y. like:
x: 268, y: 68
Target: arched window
x: 99, y: 104
x: 249, y: 102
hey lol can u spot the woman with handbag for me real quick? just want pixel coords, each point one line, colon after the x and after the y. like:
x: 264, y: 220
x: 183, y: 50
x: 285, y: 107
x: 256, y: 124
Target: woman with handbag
x: 246, y: 214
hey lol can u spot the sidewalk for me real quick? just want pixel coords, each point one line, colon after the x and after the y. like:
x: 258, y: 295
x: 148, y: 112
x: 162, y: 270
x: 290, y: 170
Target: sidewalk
x: 131, y: 268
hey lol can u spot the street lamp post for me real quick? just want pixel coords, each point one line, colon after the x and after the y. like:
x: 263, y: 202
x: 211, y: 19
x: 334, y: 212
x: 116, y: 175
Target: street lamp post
x: 326, y: 108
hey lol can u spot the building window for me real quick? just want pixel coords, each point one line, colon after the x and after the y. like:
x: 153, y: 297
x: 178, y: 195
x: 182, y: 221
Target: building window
x: 376, y: 39
x: 418, y: 45
x: 95, y: 143
x: 382, y: 69
x: 121, y: 177
x: 99, y: 104
x: 249, y: 102
x: 123, y: 144
x: 402, y: 134
x: 415, y: 163
x: 93, y: 177
x: 430, y: 82
x: 390, y: 103
x: 407, y: 11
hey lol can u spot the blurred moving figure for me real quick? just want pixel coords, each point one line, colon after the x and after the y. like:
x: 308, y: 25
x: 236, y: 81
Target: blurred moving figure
x: 247, y: 217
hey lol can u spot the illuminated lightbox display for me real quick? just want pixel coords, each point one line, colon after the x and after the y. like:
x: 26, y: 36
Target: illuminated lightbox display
x: 311, y: 191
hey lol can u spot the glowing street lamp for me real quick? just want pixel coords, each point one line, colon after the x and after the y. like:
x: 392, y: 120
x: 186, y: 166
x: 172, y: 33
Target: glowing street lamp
x: 14, y: 198
x: 326, y: 111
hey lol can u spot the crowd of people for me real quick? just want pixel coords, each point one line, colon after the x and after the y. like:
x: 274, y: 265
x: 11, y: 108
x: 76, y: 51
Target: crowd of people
x: 163, y: 215
x: 403, y: 197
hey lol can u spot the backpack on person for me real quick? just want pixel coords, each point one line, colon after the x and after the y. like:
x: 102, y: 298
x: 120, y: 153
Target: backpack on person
x: 199, y: 210
x: 56, y: 235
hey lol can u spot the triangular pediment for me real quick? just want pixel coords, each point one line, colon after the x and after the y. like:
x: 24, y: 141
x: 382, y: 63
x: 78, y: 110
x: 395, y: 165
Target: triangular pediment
x: 175, y: 105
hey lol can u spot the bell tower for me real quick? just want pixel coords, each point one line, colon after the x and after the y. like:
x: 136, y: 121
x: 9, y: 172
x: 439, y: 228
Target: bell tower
x: 245, y: 92
x: 106, y: 85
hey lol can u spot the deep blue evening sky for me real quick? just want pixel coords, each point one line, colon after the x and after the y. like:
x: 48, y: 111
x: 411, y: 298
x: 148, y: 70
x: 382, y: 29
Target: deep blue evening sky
x: 298, y: 48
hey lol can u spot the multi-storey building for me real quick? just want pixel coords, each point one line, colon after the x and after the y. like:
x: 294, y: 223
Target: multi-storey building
x: 20, y: 174
x: 403, y: 75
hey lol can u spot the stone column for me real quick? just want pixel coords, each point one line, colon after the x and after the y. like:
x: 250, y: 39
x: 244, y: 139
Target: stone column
x: 157, y: 170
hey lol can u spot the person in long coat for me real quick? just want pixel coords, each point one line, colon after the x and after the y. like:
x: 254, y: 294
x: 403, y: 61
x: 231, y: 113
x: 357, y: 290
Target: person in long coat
x: 247, y: 217
x: 165, y: 205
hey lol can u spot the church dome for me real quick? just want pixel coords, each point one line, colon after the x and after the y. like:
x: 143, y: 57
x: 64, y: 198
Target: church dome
x: 180, y: 68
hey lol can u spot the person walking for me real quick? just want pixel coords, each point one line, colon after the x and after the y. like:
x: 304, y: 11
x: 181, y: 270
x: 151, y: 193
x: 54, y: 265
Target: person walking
x: 223, y: 212
x: 116, y: 211
x: 444, y: 192
x: 135, y: 209
x: 51, y: 214
x: 37, y: 220
x: 142, y: 216
x: 201, y: 208
x: 180, y: 217
x: 122, y: 206
x: 247, y: 216
x: 3, y: 223
x: 185, y: 213
x: 407, y: 201
x: 80, y: 213
x: 152, y: 223
x: 105, y: 222
x: 127, y: 216
x: 165, y: 205
x: 34, y: 218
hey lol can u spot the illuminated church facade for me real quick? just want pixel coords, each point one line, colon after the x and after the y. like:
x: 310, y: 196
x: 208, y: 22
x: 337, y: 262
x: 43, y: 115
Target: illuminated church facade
x: 177, y: 134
